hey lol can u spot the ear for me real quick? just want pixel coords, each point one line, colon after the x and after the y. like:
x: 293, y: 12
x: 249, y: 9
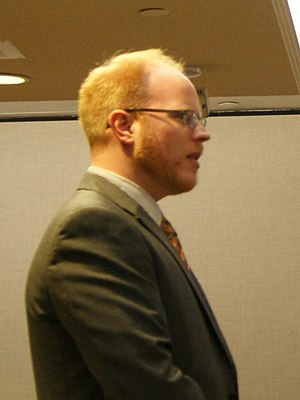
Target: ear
x: 120, y: 122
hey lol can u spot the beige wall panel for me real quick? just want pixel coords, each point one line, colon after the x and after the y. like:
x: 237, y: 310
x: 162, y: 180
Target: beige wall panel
x: 239, y: 227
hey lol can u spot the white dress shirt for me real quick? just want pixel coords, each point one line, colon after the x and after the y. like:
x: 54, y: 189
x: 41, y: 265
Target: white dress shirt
x: 143, y: 198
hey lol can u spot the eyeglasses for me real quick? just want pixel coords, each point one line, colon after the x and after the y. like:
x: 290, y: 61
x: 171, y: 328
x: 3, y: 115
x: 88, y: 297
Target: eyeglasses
x: 186, y: 117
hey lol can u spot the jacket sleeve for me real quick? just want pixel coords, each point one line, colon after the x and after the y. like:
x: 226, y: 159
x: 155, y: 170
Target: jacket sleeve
x: 104, y: 289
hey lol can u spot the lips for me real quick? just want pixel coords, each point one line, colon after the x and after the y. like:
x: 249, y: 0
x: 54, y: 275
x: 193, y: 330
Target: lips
x: 193, y: 160
x: 194, y: 156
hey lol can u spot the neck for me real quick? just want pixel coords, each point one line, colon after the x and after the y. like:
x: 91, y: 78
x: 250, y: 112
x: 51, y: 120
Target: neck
x: 118, y: 161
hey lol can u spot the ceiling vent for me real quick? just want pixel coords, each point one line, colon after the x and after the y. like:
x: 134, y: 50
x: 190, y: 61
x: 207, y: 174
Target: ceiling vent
x: 9, y: 52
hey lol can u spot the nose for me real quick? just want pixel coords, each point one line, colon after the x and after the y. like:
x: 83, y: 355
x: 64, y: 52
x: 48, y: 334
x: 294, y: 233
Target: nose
x: 200, y: 133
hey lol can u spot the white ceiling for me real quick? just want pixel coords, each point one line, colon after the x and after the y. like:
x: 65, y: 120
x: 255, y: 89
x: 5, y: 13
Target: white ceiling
x: 247, y: 50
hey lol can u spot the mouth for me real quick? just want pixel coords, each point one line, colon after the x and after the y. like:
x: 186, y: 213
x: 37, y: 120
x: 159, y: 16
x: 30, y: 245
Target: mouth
x: 194, y: 156
x: 193, y: 160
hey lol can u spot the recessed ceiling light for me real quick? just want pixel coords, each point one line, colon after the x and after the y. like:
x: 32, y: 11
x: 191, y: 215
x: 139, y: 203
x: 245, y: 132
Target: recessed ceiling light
x: 154, y: 11
x: 228, y: 103
x: 10, y: 79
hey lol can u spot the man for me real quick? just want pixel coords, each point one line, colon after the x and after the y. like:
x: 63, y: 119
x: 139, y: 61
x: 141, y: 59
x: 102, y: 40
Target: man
x: 114, y: 311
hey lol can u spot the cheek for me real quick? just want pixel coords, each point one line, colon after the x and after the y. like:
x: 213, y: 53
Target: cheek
x: 175, y: 152
x: 163, y: 145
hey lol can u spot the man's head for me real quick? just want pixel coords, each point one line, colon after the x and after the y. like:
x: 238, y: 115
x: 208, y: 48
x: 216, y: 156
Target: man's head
x: 142, y: 117
x: 119, y: 83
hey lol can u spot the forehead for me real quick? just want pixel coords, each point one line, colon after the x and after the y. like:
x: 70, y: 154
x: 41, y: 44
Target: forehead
x: 169, y: 88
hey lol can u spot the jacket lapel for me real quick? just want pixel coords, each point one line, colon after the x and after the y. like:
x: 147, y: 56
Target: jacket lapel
x: 193, y: 281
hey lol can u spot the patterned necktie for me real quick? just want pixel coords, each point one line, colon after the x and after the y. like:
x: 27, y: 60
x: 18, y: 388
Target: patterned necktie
x: 173, y: 239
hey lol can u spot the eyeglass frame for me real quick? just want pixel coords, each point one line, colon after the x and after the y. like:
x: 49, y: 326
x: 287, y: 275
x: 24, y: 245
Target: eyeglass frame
x: 195, y: 120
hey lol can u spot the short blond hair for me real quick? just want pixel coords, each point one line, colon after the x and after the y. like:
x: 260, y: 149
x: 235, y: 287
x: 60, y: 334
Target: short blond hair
x: 118, y: 83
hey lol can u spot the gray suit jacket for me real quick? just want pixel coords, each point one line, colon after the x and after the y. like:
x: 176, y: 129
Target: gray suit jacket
x: 113, y: 313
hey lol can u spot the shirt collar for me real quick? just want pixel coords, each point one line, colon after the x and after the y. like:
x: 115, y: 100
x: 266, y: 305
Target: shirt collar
x: 143, y: 198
